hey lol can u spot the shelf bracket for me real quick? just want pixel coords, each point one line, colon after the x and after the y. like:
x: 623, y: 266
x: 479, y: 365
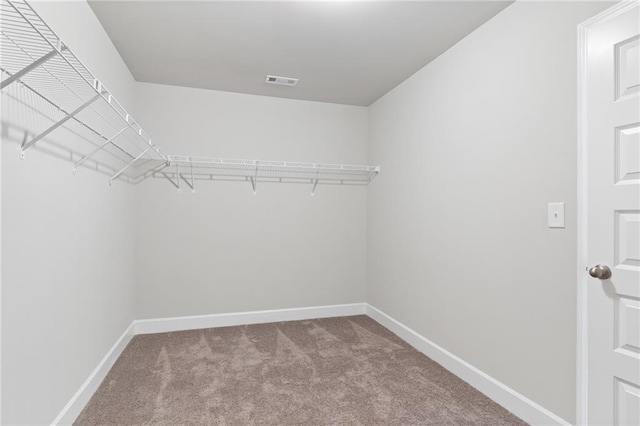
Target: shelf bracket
x: 193, y: 181
x: 315, y: 182
x: 28, y: 68
x: 114, y: 177
x: 254, y: 179
x: 178, y: 176
x: 27, y: 145
x: 95, y: 151
x: 189, y: 184
x: 169, y: 179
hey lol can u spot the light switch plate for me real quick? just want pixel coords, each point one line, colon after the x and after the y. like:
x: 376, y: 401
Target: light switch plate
x: 556, y: 215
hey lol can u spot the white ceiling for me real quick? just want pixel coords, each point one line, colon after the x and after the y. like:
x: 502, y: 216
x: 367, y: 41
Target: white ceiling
x: 348, y: 52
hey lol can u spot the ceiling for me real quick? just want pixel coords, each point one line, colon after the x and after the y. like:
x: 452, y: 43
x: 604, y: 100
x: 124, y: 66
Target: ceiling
x: 347, y: 52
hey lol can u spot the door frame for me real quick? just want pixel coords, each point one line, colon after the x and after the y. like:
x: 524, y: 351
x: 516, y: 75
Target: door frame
x: 582, y: 356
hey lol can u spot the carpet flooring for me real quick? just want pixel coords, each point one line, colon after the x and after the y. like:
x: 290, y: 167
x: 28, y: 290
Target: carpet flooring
x: 336, y: 371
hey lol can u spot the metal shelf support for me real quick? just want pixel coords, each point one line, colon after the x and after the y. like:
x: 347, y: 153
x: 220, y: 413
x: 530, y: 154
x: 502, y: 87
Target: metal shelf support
x: 28, y: 68
x: 178, y: 177
x: 56, y: 82
x: 267, y: 171
x: 189, y: 184
x: 27, y: 145
x: 193, y: 181
x: 169, y: 179
x: 254, y: 179
x: 127, y: 166
x: 315, y: 183
x: 181, y: 176
x: 45, y: 36
x: 95, y: 151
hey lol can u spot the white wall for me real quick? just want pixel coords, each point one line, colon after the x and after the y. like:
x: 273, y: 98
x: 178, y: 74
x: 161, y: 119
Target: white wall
x: 67, y: 251
x: 472, y: 149
x: 224, y: 249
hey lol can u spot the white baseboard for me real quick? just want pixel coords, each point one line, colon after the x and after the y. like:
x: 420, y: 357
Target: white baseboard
x: 163, y: 325
x: 518, y: 404
x: 74, y: 407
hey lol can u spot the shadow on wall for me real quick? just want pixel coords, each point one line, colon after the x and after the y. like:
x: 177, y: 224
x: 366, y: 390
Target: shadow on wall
x: 26, y: 115
x: 85, y: 136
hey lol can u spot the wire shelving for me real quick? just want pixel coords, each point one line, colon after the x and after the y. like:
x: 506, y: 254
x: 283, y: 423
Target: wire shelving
x: 186, y: 170
x: 47, y: 91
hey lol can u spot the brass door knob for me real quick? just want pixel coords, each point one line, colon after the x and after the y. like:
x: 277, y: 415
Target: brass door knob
x: 601, y: 272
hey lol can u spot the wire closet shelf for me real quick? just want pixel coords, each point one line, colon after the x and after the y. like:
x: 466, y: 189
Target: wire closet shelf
x: 51, y: 101
x: 190, y: 169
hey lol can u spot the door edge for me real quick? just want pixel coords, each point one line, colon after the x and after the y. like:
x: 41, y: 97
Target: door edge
x: 582, y: 359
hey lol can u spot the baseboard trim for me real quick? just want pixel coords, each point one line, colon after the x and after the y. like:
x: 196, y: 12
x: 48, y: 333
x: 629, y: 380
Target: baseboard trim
x: 78, y: 401
x: 163, y: 325
x: 518, y: 404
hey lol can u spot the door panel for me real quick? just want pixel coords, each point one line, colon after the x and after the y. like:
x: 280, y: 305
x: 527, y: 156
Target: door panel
x: 627, y: 157
x: 628, y: 325
x: 627, y: 71
x: 628, y: 403
x: 613, y: 218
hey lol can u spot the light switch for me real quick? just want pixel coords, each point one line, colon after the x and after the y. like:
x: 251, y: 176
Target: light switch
x: 556, y: 215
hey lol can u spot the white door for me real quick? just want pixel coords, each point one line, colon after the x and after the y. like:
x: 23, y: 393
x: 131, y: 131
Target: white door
x: 613, y: 218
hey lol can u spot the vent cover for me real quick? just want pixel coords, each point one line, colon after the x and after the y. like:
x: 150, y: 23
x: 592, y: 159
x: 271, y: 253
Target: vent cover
x: 281, y: 81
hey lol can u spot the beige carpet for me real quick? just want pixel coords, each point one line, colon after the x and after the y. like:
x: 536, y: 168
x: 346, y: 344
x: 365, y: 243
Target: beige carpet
x: 337, y: 371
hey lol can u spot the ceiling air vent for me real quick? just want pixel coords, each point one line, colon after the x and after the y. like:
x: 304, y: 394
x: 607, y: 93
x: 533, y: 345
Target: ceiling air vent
x: 281, y: 81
